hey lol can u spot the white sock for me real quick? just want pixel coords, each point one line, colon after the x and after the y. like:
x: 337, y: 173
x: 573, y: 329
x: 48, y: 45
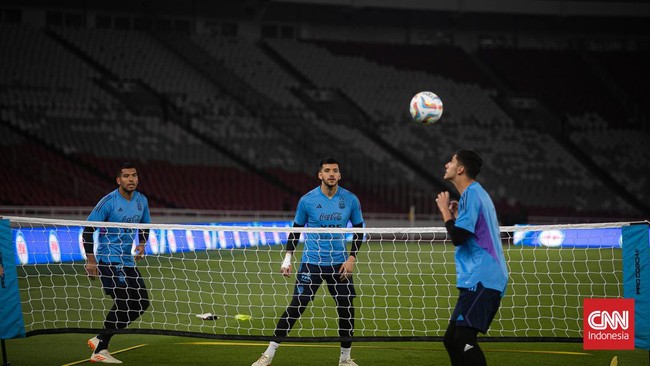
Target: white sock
x: 270, y: 351
x: 345, y: 353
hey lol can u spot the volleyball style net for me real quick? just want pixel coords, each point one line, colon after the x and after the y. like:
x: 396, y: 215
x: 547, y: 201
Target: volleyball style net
x: 224, y: 281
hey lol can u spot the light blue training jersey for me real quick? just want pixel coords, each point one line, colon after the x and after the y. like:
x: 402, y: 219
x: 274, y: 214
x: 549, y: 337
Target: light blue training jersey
x: 315, y: 209
x: 115, y: 243
x: 480, y: 259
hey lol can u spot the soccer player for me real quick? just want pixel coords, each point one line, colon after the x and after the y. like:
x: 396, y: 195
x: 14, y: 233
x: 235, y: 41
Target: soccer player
x: 481, y: 272
x: 114, y: 263
x: 324, y: 258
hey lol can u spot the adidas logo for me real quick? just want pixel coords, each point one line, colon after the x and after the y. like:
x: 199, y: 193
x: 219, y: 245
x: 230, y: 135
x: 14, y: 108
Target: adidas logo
x: 319, y: 206
x: 120, y: 210
x: 467, y: 347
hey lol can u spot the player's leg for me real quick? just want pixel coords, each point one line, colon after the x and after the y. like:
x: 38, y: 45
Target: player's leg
x: 137, y: 295
x: 462, y: 347
x: 343, y: 292
x: 475, y: 309
x: 453, y: 349
x: 308, y: 281
x: 130, y: 299
x: 109, y: 279
x: 109, y: 276
x: 471, y: 352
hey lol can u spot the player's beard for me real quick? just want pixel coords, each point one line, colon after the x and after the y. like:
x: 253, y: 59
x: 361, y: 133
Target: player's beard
x: 129, y: 189
x: 330, y: 185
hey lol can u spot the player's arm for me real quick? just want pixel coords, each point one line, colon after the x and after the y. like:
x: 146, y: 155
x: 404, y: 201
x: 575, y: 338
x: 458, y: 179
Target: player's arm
x: 143, y: 234
x: 458, y: 235
x: 100, y: 213
x: 292, y: 243
x: 89, y: 244
x: 453, y: 207
x: 357, y: 240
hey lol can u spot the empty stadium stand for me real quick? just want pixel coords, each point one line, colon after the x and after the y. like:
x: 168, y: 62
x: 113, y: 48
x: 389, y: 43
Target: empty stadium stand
x: 233, y: 123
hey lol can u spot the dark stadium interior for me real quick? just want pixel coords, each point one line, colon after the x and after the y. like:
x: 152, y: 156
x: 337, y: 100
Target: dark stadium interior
x: 230, y: 105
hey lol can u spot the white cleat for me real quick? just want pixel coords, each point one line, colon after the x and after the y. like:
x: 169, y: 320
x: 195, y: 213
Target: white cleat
x: 347, y: 362
x: 93, y: 342
x: 104, y: 357
x: 265, y: 360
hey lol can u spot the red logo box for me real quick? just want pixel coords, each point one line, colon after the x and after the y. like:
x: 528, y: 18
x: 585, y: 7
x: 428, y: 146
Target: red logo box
x: 608, y: 324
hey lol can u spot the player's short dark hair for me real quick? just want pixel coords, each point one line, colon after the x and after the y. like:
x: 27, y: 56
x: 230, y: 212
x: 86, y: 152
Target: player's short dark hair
x: 328, y: 160
x: 125, y: 165
x: 471, y: 161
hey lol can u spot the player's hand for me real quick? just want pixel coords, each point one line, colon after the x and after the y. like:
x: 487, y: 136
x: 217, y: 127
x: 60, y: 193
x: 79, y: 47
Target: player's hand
x: 91, y: 269
x: 453, y: 207
x: 347, y: 268
x: 139, y: 252
x: 286, y: 271
x: 443, y: 201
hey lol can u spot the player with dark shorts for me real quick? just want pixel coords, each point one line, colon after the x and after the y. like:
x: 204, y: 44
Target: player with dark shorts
x: 113, y: 262
x: 476, y: 307
x: 310, y: 277
x: 481, y: 271
x: 324, y: 259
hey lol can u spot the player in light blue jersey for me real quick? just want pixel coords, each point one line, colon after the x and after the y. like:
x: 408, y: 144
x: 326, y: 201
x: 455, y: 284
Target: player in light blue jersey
x: 481, y: 271
x: 324, y: 258
x: 114, y: 263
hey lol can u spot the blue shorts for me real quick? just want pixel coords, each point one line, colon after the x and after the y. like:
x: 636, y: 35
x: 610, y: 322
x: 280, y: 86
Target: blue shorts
x: 476, y: 307
x: 310, y: 277
x: 116, y: 275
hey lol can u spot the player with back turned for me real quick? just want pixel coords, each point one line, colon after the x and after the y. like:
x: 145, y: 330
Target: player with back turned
x: 324, y: 258
x: 481, y: 272
x: 114, y: 263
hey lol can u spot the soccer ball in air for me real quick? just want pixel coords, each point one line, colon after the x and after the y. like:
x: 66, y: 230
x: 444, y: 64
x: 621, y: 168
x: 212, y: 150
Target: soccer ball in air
x: 426, y: 108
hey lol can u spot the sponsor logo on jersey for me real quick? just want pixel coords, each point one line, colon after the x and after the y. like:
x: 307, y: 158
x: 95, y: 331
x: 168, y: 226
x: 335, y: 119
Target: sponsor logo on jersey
x: 334, y: 216
x: 134, y: 218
